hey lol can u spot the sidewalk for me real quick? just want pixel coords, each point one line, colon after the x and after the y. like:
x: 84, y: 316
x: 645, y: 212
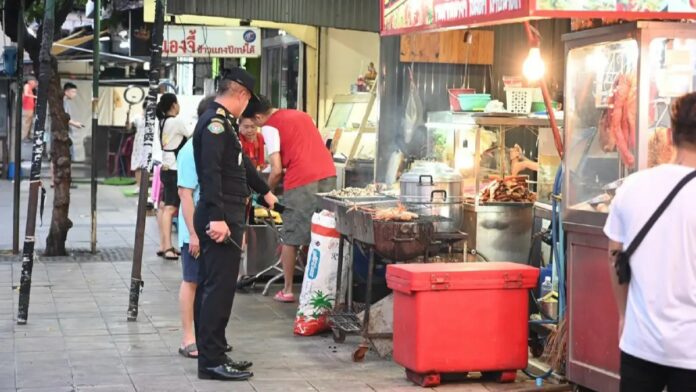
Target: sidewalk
x: 77, y: 337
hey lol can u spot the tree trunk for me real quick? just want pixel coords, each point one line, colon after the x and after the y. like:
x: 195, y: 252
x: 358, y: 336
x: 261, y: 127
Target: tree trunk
x: 61, y: 162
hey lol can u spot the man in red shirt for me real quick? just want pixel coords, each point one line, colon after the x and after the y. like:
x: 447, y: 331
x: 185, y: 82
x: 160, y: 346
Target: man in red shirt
x: 294, y: 144
x: 252, y: 142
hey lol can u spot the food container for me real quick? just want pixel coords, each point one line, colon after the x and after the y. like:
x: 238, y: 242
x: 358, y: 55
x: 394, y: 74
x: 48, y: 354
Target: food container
x: 461, y: 317
x: 426, y: 179
x: 473, y: 102
x: 454, y: 94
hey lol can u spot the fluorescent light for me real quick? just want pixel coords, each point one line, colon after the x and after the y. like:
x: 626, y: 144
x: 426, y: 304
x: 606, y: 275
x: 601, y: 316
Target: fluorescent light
x: 105, y: 38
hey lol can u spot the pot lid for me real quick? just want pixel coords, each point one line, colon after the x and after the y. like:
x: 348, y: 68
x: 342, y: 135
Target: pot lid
x: 439, y: 171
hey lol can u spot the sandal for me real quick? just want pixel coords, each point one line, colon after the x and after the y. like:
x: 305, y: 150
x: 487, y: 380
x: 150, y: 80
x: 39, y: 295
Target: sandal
x: 170, y: 251
x: 188, y: 351
x: 282, y: 297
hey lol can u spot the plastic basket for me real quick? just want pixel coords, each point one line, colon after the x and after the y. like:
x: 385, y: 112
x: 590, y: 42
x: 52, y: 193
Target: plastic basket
x: 454, y: 97
x: 519, y: 99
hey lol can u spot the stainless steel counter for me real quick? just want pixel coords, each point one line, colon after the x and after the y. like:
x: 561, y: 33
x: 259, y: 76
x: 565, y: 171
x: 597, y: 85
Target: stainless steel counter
x: 500, y: 231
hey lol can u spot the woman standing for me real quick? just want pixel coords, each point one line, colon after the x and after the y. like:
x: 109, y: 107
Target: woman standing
x: 173, y: 135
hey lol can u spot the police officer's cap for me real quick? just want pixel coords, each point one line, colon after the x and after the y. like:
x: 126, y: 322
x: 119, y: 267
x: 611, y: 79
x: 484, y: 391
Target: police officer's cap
x: 240, y: 76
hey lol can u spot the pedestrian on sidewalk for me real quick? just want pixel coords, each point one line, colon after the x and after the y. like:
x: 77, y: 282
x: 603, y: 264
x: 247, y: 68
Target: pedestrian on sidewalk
x: 173, y: 135
x: 295, y: 147
x: 657, y: 307
x: 225, y: 176
x: 189, y: 193
x: 28, y: 107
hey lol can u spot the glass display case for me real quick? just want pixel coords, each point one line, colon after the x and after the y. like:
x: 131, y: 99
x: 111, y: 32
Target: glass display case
x: 483, y: 148
x: 620, y: 82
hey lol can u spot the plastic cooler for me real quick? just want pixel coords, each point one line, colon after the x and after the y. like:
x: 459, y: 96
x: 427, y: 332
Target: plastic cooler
x: 461, y: 317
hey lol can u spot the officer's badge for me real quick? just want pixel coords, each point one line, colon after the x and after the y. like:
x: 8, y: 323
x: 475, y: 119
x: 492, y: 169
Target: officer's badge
x: 216, y: 128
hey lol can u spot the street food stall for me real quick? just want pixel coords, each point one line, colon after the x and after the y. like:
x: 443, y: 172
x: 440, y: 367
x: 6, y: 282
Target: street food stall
x: 621, y: 81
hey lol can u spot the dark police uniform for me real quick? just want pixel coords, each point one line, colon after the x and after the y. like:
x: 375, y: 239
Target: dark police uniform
x: 225, y: 175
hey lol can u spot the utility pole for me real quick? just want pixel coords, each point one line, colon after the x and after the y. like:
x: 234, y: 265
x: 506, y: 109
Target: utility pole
x: 21, y: 28
x: 96, y: 68
x: 37, y: 153
x: 150, y: 124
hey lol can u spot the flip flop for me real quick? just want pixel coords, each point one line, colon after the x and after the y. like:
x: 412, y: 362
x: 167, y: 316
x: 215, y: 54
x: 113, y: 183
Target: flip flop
x: 173, y: 251
x: 160, y: 253
x: 188, y: 350
x: 282, y: 297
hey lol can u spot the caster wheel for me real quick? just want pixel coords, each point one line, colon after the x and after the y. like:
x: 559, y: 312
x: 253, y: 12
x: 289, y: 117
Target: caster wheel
x: 507, y: 377
x: 490, y: 376
x: 425, y: 380
x: 537, y: 350
x: 359, y: 354
x: 246, y: 282
x: 339, y: 336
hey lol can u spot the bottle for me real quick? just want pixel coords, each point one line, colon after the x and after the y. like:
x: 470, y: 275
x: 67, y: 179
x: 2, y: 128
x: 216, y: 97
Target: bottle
x: 546, y: 287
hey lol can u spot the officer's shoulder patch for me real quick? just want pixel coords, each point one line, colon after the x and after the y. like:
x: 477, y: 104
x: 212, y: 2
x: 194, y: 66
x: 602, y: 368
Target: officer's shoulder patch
x: 216, y: 127
x: 221, y: 112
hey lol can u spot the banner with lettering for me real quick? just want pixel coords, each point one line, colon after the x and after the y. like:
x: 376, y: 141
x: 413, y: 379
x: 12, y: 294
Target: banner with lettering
x: 204, y: 41
x: 408, y: 16
x: 405, y: 16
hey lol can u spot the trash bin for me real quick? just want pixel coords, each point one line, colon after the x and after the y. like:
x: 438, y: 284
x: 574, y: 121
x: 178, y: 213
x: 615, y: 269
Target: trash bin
x: 461, y: 317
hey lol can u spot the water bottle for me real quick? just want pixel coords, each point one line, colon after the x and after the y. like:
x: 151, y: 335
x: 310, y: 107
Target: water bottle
x: 546, y: 287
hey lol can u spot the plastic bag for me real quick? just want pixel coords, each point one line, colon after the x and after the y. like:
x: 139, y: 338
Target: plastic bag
x: 319, y: 285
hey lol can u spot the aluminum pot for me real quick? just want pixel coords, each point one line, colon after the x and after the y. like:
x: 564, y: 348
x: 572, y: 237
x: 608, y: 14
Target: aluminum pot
x: 426, y: 179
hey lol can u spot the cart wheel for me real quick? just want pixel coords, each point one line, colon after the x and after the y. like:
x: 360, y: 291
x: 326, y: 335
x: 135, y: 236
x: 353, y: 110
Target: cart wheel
x: 490, y: 376
x: 339, y: 336
x: 359, y: 353
x: 425, y: 380
x: 537, y: 349
x: 507, y: 376
x: 246, y: 281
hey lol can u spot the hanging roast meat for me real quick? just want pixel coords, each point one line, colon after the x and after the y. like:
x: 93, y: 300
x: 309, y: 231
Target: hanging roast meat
x: 617, y: 125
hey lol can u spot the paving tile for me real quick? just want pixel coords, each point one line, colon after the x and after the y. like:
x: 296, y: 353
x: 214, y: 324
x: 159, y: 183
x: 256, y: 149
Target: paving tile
x: 107, y: 388
x: 331, y: 386
x: 221, y: 386
x: 281, y: 386
x: 40, y: 344
x: 89, y: 343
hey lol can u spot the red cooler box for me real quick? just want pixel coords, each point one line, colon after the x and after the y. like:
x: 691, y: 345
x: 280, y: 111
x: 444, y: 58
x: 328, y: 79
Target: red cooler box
x: 460, y: 317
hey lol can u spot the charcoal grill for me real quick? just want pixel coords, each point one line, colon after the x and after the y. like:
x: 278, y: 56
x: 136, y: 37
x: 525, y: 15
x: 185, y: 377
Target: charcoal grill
x: 345, y: 208
x: 395, y: 241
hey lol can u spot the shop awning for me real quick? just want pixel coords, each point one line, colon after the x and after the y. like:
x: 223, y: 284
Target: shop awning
x: 66, y: 47
x: 408, y: 16
x: 360, y: 15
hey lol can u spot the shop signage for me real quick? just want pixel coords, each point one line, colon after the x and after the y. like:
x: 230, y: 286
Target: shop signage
x: 204, y: 41
x: 407, y: 16
x: 618, y: 5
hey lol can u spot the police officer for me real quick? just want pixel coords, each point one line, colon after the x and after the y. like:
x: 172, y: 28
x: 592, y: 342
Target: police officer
x: 225, y: 176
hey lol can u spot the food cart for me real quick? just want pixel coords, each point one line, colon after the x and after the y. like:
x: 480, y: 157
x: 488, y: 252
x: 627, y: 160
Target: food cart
x: 655, y: 61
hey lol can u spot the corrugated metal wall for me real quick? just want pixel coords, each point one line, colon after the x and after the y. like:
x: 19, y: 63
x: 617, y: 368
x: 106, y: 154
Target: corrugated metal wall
x: 342, y: 14
x: 433, y: 80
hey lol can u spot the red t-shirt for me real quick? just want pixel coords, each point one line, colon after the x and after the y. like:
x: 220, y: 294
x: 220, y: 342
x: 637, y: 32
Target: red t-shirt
x: 254, y: 149
x: 304, y: 156
x: 28, y: 101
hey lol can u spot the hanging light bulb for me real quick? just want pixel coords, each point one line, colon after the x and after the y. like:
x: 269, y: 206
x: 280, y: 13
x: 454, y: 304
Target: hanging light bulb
x: 533, y: 67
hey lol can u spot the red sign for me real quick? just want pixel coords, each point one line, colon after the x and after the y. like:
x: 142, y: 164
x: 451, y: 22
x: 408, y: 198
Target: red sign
x: 406, y: 16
